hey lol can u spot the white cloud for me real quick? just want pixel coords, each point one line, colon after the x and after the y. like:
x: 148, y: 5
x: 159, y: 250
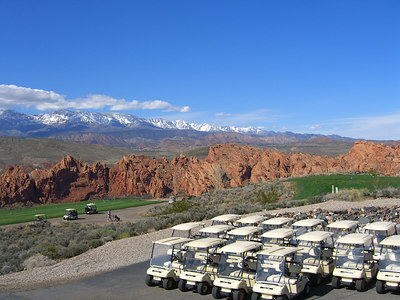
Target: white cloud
x: 382, y: 127
x: 222, y: 114
x: 12, y: 96
x: 314, y: 127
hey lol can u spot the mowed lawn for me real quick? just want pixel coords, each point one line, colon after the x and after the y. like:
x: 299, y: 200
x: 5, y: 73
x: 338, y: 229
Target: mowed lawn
x: 311, y: 186
x: 14, y: 216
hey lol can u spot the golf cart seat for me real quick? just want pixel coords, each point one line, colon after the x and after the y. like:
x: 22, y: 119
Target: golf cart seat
x: 352, y: 265
x: 294, y: 269
x: 311, y: 261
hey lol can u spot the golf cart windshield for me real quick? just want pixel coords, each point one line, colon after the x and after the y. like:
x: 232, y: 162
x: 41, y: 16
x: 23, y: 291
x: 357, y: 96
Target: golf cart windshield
x: 195, y: 260
x: 301, y: 229
x: 268, y: 227
x: 310, y: 254
x: 390, y: 259
x: 377, y: 237
x: 350, y: 256
x: 161, y: 256
x: 230, y: 265
x: 270, y: 269
x: 267, y: 241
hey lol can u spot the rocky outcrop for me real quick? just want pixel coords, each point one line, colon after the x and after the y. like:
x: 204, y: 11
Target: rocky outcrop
x: 225, y: 166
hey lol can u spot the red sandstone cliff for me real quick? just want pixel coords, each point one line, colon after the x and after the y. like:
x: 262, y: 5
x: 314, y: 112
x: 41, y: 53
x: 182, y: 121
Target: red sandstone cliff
x: 225, y: 166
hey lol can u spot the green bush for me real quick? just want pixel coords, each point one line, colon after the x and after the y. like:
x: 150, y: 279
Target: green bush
x: 123, y: 235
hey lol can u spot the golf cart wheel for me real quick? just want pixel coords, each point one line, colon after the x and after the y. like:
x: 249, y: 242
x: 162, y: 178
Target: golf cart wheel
x: 203, y: 288
x: 360, y: 285
x: 255, y: 296
x: 216, y: 292
x: 380, y: 287
x: 238, y: 295
x: 182, y: 285
x: 336, y: 282
x: 306, y: 290
x: 168, y: 283
x: 149, y: 280
x: 315, y: 279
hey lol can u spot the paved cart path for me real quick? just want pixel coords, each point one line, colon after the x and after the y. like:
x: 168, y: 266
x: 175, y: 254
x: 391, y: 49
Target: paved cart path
x: 128, y: 283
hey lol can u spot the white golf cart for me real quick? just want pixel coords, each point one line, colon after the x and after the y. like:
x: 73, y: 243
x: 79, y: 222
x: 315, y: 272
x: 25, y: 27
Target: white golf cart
x: 227, y: 219
x: 342, y: 227
x: 316, y: 254
x: 307, y: 225
x: 200, y: 265
x: 380, y: 231
x: 248, y: 233
x: 216, y: 231
x: 275, y: 223
x: 278, y: 275
x: 354, y: 263
x: 277, y: 237
x: 236, y: 270
x: 188, y: 230
x: 166, y: 262
x: 388, y: 277
x: 250, y: 221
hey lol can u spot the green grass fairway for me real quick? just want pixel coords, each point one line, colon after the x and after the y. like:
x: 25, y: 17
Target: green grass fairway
x: 311, y: 186
x: 14, y: 216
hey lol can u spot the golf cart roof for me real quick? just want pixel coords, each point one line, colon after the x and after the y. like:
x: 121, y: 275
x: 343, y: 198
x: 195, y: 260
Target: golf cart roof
x: 315, y: 236
x: 277, y: 221
x: 70, y: 209
x: 188, y: 226
x: 39, y: 215
x: 308, y: 222
x: 380, y: 226
x: 356, y: 239
x: 215, y: 228
x: 278, y: 233
x: 393, y: 240
x: 244, y: 230
x: 205, y: 243
x: 226, y: 218
x: 343, y: 224
x: 240, y: 247
x: 251, y: 219
x: 171, y: 241
x: 279, y: 251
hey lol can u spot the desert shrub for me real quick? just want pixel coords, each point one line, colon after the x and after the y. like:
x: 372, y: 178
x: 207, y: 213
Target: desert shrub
x: 347, y: 195
x: 37, y: 260
x: 177, y: 207
x: 123, y: 235
x: 389, y: 192
x: 95, y: 243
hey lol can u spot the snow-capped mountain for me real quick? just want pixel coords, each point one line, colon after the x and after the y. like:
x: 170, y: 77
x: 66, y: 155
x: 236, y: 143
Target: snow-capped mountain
x: 62, y: 118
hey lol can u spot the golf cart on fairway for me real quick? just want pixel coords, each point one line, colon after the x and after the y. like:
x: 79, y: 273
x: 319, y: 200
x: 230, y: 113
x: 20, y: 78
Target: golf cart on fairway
x: 354, y: 263
x: 278, y: 275
x: 166, y: 262
x: 316, y: 255
x: 342, y: 227
x: 277, y: 237
x: 188, y: 230
x: 248, y: 233
x: 215, y: 231
x: 40, y: 220
x: 250, y: 221
x: 227, y: 219
x: 307, y: 225
x: 388, y: 277
x: 236, y: 270
x: 70, y: 214
x: 380, y: 231
x: 91, y: 208
x: 200, y: 265
x: 275, y: 223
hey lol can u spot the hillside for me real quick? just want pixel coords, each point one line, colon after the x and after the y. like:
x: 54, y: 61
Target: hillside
x: 225, y: 166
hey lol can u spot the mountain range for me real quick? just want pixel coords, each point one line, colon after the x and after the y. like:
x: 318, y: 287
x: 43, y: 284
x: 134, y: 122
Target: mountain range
x: 126, y: 130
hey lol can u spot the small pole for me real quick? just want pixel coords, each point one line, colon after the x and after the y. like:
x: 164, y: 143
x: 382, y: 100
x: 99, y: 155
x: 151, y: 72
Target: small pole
x: 333, y: 189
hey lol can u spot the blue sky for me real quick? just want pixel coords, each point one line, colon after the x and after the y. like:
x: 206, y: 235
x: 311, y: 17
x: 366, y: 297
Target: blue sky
x: 330, y: 67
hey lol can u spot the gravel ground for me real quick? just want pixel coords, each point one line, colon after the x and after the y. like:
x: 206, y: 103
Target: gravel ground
x: 125, y: 252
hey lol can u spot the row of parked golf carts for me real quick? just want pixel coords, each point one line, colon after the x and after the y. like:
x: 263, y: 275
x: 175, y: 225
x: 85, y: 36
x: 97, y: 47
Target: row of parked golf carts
x: 275, y: 258
x: 70, y: 214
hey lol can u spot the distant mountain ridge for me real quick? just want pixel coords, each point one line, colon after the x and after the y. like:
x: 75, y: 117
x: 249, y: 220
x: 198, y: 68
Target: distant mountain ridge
x: 118, y: 129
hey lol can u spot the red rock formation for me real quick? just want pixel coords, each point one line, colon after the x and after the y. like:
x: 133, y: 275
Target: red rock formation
x: 225, y: 166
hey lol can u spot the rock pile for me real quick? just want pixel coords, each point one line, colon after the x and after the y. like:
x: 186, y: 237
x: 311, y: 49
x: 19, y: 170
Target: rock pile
x: 225, y: 166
